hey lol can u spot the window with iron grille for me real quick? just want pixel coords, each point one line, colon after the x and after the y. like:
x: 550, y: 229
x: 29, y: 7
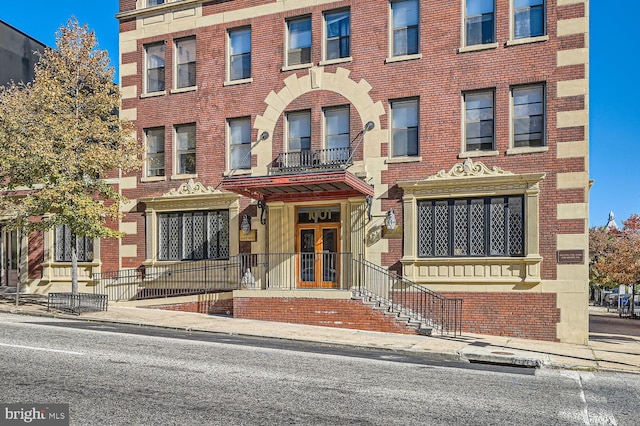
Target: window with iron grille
x: 480, y: 227
x: 193, y: 235
x: 186, y: 63
x: 62, y: 248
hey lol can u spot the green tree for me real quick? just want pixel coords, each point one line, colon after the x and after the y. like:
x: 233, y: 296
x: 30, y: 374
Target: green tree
x: 615, y: 254
x: 60, y: 137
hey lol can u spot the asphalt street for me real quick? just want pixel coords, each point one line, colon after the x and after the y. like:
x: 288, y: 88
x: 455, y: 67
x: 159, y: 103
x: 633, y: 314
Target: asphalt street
x: 117, y: 376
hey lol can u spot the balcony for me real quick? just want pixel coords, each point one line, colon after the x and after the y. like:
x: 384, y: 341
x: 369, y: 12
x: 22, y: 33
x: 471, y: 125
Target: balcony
x: 312, y: 160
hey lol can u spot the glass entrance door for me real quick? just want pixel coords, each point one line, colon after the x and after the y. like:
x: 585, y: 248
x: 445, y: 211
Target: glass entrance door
x: 318, y: 264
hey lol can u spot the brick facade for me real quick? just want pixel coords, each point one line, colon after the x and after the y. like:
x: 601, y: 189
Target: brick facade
x: 552, y: 179
x: 522, y: 315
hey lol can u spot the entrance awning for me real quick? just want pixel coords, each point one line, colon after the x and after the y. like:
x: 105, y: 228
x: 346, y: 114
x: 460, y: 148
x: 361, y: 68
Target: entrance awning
x: 325, y: 185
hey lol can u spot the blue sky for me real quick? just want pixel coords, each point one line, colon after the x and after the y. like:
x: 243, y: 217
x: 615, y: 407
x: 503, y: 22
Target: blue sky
x: 614, y: 65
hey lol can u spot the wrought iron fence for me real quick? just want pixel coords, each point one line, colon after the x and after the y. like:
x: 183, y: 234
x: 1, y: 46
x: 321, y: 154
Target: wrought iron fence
x: 77, y: 303
x: 443, y: 314
x: 177, y: 279
x: 285, y: 271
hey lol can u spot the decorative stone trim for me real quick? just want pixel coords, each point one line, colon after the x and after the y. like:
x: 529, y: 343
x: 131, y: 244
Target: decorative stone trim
x: 469, y: 168
x: 190, y: 188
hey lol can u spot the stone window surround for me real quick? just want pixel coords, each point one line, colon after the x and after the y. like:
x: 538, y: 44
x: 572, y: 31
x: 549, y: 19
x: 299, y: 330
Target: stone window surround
x: 480, y: 182
x: 190, y: 196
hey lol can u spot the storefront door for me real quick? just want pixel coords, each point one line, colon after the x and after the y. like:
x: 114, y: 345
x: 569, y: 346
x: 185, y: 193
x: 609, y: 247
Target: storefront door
x: 318, y: 247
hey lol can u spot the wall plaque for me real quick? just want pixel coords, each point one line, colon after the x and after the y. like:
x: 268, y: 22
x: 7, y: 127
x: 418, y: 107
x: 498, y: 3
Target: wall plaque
x: 252, y: 236
x: 570, y: 257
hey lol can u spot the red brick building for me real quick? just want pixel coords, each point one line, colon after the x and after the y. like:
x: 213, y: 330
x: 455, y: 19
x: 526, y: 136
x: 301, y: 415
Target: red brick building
x: 446, y: 142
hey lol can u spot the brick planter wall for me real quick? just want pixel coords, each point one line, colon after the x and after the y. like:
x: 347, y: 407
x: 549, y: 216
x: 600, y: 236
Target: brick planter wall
x: 325, y: 312
x: 523, y: 315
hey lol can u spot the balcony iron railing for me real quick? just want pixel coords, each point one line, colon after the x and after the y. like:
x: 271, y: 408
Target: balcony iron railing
x: 319, y: 159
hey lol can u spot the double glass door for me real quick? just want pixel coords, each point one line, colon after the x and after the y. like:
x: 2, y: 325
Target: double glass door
x: 318, y: 264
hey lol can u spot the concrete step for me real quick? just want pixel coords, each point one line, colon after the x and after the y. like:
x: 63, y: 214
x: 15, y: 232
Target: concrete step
x: 381, y: 307
x: 425, y: 331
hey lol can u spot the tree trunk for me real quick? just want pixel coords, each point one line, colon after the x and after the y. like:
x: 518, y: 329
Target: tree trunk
x: 74, y: 265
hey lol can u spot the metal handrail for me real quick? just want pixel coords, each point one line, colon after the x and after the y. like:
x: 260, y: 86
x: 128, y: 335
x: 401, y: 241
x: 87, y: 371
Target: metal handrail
x: 408, y: 299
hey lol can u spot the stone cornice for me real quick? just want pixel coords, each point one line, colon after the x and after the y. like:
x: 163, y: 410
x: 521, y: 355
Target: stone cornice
x: 155, y: 9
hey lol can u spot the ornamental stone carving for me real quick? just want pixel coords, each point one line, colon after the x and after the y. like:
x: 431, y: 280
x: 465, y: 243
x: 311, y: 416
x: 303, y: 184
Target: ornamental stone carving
x: 190, y: 188
x: 469, y: 168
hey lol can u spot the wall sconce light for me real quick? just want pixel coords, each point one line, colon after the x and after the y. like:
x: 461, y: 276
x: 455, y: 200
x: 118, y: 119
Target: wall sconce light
x: 390, y: 221
x: 245, y: 226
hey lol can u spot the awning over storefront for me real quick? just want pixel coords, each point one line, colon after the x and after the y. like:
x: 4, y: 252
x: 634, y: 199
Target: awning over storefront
x: 325, y: 185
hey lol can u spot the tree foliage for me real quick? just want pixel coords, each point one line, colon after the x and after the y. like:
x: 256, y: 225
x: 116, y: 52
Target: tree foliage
x: 615, y: 254
x: 59, y: 138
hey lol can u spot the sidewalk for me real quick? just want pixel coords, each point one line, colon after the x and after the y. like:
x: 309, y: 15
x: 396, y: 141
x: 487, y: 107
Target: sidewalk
x: 605, y: 352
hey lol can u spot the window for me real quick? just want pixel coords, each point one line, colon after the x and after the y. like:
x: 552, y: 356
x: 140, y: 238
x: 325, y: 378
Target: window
x: 240, y: 142
x: 155, y: 151
x: 404, y: 123
x: 299, y: 50
x: 479, y: 22
x: 405, y: 19
x: 299, y: 131
x: 185, y: 63
x: 240, y: 54
x: 337, y: 134
x: 154, y: 2
x: 479, y: 121
x: 155, y: 68
x: 528, y: 18
x: 193, y: 235
x: 186, y: 149
x: 528, y: 116
x: 84, y: 245
x: 492, y: 226
x: 337, y: 33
